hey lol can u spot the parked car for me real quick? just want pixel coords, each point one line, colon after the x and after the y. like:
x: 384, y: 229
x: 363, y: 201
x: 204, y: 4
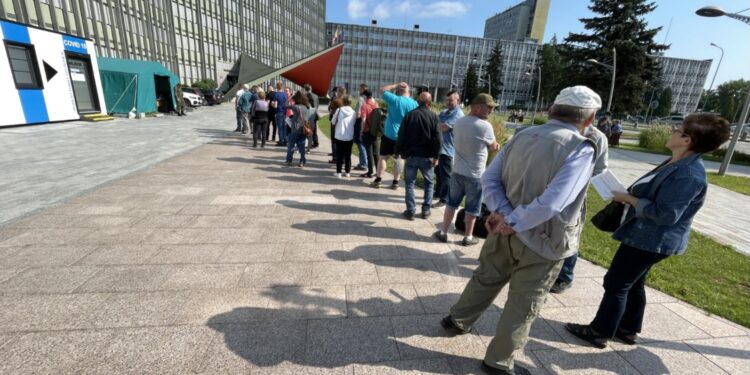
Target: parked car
x: 194, y: 91
x: 212, y: 96
x: 671, y: 120
x: 192, y: 100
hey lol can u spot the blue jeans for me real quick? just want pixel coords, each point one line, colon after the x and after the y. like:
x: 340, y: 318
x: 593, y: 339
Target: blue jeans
x: 281, y: 124
x: 566, y: 272
x: 443, y: 173
x: 240, y: 119
x: 362, y: 154
x: 296, y: 139
x: 424, y: 165
x: 624, y: 300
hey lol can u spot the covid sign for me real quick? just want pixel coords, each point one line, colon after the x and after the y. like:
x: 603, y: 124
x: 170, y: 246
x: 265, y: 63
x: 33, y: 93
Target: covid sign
x: 73, y: 44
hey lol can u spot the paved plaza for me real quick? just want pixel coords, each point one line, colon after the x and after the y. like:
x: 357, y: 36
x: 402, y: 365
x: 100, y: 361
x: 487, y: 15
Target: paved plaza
x: 220, y: 259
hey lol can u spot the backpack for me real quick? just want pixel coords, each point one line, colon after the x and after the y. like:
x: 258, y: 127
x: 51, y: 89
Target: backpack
x: 377, y: 118
x: 479, y: 229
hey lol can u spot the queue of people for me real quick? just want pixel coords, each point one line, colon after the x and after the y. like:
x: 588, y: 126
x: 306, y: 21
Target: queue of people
x: 535, y: 188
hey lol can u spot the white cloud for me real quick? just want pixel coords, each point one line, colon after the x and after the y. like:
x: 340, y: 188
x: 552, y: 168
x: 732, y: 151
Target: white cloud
x: 384, y: 9
x: 357, y: 9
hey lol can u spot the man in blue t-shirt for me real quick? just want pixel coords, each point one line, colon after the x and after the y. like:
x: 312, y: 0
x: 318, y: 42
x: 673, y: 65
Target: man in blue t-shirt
x: 279, y: 101
x: 399, y: 104
x: 448, y: 118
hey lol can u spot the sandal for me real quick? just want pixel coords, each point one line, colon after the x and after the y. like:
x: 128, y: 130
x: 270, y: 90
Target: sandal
x: 626, y: 337
x: 585, y: 333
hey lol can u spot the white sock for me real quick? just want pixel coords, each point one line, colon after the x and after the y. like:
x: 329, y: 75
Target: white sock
x: 443, y: 233
x: 469, y: 238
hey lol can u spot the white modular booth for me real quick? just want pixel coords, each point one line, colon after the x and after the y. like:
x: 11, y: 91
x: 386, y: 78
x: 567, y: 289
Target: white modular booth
x: 46, y: 76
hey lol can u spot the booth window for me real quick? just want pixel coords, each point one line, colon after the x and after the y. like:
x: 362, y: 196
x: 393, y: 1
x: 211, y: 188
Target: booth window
x: 23, y: 64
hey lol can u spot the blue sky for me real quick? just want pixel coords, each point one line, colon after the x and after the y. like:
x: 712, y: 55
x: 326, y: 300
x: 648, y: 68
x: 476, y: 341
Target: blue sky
x: 689, y: 35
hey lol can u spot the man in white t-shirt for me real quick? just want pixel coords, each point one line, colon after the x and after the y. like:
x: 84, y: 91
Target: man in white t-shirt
x: 473, y: 137
x: 240, y: 118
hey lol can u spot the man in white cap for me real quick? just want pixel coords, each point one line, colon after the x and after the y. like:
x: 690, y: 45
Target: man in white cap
x: 535, y: 188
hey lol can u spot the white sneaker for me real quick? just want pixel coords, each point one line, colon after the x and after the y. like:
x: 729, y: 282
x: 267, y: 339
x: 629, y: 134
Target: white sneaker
x: 348, y: 175
x: 337, y: 175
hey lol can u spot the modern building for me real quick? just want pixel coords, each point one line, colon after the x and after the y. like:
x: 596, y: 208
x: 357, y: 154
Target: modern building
x: 195, y: 38
x: 379, y: 56
x: 686, y: 78
x: 522, y: 21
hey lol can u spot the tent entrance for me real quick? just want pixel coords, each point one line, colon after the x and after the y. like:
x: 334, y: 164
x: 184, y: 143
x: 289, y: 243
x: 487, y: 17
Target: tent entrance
x: 163, y: 94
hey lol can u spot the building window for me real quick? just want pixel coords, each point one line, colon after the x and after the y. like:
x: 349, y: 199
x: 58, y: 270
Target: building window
x: 23, y: 64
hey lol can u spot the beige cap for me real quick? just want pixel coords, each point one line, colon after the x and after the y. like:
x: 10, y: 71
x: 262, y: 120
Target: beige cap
x: 484, y: 99
x: 579, y: 96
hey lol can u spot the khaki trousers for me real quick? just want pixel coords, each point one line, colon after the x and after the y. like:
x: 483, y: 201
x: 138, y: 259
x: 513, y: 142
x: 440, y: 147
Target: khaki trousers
x: 503, y: 260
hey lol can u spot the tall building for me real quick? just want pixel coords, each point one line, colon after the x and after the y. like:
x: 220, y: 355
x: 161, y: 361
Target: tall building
x: 521, y: 21
x: 686, y: 78
x: 194, y: 38
x: 380, y: 56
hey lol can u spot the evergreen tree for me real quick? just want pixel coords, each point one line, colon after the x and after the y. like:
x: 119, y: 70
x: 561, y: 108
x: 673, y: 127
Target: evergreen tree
x: 493, y: 73
x: 730, y: 96
x: 618, y: 24
x: 552, y: 71
x: 665, y: 103
x: 471, y: 83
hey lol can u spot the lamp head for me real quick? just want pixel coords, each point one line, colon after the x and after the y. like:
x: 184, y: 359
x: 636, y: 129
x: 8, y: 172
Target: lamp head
x: 710, y: 11
x: 593, y: 61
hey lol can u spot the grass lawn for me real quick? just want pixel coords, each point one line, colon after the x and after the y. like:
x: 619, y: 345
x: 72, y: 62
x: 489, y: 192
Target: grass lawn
x: 709, y: 275
x: 735, y: 183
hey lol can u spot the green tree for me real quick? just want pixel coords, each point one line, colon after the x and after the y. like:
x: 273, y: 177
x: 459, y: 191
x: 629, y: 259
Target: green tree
x: 205, y: 84
x: 493, y: 73
x: 665, y: 103
x: 552, y: 70
x: 730, y: 96
x: 471, y: 83
x: 618, y: 24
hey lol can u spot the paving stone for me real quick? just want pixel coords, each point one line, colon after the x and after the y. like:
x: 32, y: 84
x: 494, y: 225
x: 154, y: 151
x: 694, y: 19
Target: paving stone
x: 181, y: 254
x: 584, y: 292
x: 306, y: 302
x: 221, y: 221
x: 166, y: 221
x: 344, y: 273
x: 117, y: 236
x: 370, y: 251
x: 100, y: 210
x: 119, y: 255
x: 51, y: 221
x: 437, y: 298
x: 253, y: 253
x: 204, y: 277
x: 41, y: 256
x: 472, y: 366
x: 138, y: 309
x: 7, y: 273
x: 413, y: 367
x: 456, y: 270
x: 667, y: 358
x: 48, y: 280
x: 579, y: 360
x: 225, y: 306
x: 312, y: 251
x: 713, y: 325
x: 255, y: 346
x: 422, y: 250
x: 128, y: 279
x: 109, y: 221
x: 407, y: 271
x: 422, y: 336
x: 47, y: 237
x: 262, y: 275
x: 661, y: 324
x: 729, y: 353
x: 340, y: 341
x: 382, y: 300
x: 51, y: 352
x: 164, y: 350
x: 287, y: 368
x: 47, y: 312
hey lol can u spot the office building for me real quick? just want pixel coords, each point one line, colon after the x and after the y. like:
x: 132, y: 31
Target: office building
x: 686, y: 78
x: 194, y: 38
x: 380, y: 56
x: 522, y: 21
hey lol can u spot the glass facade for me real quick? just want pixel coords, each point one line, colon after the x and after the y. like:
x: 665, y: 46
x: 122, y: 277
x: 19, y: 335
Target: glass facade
x: 686, y: 78
x: 196, y: 39
x: 381, y: 56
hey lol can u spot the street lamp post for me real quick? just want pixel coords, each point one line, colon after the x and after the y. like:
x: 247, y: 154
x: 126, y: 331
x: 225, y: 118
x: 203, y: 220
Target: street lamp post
x: 713, y: 11
x: 538, y: 94
x: 703, y: 109
x: 613, y: 67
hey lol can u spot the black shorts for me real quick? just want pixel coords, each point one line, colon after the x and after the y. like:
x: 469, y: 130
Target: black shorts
x: 387, y: 146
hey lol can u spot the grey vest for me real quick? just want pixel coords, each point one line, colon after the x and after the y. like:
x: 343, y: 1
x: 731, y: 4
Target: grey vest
x: 532, y: 158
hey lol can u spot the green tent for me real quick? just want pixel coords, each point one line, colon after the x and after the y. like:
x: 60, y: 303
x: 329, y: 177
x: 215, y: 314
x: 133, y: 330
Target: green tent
x: 129, y: 84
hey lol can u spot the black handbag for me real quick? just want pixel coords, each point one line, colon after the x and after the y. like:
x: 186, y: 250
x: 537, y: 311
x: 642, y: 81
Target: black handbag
x: 609, y: 218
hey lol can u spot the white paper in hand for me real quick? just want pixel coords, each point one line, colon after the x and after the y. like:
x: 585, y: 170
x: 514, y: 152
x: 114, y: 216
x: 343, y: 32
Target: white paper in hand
x: 605, y: 183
